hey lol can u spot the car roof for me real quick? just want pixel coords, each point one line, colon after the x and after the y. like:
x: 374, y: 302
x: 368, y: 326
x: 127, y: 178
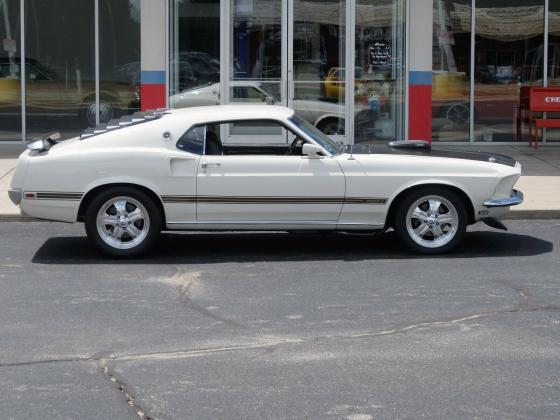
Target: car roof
x: 201, y: 114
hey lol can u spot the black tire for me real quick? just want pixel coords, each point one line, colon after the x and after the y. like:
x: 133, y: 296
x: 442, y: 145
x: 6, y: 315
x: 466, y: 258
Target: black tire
x: 150, y: 226
x: 455, y: 232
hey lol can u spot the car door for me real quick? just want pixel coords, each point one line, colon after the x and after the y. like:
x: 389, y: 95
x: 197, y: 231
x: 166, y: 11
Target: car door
x: 269, y: 188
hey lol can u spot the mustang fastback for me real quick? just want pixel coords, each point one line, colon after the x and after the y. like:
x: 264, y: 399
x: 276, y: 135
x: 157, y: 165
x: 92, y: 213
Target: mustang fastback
x: 255, y: 167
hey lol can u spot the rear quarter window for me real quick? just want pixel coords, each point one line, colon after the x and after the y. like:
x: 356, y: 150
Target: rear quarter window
x: 193, y: 140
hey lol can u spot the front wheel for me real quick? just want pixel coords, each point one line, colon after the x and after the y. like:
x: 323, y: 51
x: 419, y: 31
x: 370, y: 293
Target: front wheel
x: 431, y: 220
x: 123, y: 222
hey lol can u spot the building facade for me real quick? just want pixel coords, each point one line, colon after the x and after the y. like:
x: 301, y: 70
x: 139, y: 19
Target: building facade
x: 362, y: 70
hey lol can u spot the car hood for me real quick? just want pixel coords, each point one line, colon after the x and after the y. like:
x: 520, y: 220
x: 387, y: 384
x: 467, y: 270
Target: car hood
x: 369, y: 149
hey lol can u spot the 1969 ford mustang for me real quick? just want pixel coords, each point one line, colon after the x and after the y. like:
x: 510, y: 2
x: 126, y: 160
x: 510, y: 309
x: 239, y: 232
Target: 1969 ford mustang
x: 245, y: 167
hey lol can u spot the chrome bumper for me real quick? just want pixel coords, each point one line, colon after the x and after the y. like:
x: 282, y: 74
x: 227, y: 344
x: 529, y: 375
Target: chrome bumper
x: 15, y: 195
x: 514, y: 199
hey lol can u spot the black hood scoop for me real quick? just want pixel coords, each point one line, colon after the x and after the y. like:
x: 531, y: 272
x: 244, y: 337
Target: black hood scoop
x: 411, y: 144
x: 423, y: 148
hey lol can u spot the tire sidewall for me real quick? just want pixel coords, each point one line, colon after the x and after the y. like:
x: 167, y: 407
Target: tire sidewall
x: 408, y: 201
x: 153, y: 231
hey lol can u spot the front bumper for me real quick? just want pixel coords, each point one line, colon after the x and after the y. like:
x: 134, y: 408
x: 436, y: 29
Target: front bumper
x: 514, y: 199
x: 15, y: 195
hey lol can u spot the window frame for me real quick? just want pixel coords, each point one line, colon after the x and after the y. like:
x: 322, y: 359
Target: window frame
x: 294, y: 130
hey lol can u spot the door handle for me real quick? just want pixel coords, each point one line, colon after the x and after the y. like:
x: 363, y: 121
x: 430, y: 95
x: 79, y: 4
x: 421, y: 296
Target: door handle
x: 204, y: 165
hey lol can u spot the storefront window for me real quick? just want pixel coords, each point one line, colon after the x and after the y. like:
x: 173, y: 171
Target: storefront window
x: 508, y: 57
x: 451, y: 70
x: 553, y: 58
x: 319, y: 64
x: 10, y: 89
x: 378, y: 78
x: 195, y: 53
x: 119, y: 59
x: 60, y: 71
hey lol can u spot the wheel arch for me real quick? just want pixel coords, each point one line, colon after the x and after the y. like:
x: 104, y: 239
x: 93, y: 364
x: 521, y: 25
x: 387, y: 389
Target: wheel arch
x: 89, y: 195
x: 390, y: 219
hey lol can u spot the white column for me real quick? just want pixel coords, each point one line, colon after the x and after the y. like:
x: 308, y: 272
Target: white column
x: 153, y: 53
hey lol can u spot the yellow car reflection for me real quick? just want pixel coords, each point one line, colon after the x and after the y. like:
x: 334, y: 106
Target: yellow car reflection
x: 51, y: 95
x: 334, y: 82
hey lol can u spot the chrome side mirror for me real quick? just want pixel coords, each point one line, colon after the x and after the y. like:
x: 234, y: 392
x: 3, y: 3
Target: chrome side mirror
x: 312, y: 151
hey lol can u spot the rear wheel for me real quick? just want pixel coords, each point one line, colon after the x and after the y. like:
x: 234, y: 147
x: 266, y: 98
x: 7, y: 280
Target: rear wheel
x: 431, y: 220
x: 123, y: 222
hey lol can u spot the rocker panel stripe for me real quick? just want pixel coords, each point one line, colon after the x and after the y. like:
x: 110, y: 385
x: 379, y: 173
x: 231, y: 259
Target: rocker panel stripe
x: 271, y: 200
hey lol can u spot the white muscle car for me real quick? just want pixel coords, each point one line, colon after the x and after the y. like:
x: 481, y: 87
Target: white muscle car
x: 170, y: 170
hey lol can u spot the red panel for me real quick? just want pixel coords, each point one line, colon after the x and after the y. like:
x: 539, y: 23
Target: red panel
x: 420, y: 113
x: 153, y: 96
x: 545, y: 100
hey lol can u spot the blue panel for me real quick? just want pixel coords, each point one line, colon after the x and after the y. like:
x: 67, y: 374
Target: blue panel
x: 420, y: 78
x: 153, y: 77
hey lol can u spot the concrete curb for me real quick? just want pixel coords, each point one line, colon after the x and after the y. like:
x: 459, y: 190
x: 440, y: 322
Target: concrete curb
x: 512, y: 215
x: 532, y: 214
x: 18, y: 218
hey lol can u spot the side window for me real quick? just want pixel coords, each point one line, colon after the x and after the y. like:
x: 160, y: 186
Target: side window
x: 248, y: 94
x: 9, y: 70
x: 31, y: 73
x: 193, y: 140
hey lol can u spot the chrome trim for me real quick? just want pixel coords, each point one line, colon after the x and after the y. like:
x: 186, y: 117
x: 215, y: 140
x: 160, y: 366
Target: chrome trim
x: 15, y: 195
x: 267, y: 224
x: 271, y: 200
x: 54, y: 195
x: 514, y: 199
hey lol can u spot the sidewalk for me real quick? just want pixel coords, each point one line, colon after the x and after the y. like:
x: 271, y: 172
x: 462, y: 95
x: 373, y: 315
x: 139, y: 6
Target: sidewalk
x: 540, y: 182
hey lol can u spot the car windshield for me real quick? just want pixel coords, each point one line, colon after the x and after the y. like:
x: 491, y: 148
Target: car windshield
x: 322, y: 140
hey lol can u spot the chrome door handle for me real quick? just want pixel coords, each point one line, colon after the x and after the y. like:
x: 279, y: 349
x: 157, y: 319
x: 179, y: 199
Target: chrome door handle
x: 204, y: 165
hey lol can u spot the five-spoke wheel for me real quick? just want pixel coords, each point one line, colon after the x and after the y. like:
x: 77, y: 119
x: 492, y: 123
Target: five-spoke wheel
x: 431, y: 220
x: 123, y: 222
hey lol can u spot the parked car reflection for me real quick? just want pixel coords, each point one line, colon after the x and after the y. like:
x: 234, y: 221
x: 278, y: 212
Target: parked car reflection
x: 325, y: 114
x: 49, y: 94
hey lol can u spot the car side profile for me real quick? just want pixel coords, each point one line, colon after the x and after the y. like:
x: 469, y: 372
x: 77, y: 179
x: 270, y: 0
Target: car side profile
x: 179, y: 170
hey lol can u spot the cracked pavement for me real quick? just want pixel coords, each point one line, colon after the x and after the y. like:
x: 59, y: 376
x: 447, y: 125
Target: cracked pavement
x: 271, y: 325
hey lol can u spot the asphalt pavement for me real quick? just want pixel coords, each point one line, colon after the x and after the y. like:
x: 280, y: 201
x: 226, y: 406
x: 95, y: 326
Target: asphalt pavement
x: 280, y: 326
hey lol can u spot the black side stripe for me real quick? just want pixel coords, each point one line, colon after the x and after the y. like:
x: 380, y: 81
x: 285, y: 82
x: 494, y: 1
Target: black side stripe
x: 53, y: 195
x: 271, y: 200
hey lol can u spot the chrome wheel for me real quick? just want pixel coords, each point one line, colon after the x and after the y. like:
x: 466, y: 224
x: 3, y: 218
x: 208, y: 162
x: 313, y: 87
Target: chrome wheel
x: 432, y: 221
x: 123, y: 222
x: 458, y: 114
x: 105, y: 113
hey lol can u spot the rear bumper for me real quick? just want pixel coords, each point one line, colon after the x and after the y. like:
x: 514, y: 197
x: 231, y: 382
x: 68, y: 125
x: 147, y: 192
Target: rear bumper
x: 514, y: 199
x: 15, y: 195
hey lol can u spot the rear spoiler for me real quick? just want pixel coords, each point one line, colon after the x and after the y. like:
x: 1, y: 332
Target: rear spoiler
x: 44, y: 143
x: 125, y: 121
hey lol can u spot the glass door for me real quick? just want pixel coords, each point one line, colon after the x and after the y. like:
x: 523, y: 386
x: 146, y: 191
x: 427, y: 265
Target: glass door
x: 256, y: 68
x: 317, y: 79
x: 339, y: 64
